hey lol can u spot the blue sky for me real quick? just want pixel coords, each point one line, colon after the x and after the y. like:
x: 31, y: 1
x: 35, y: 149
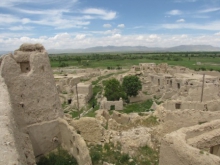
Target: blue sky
x: 75, y: 24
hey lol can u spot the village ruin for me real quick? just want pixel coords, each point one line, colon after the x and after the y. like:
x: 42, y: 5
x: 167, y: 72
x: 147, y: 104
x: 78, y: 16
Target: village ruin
x: 41, y: 109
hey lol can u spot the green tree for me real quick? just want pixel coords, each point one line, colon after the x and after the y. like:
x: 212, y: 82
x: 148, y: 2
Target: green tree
x: 78, y: 59
x: 113, y: 90
x: 131, y: 85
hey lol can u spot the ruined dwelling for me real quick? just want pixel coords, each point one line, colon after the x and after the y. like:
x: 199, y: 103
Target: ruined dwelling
x: 190, y: 100
x: 71, y: 89
x: 197, y: 145
x: 31, y: 117
x: 111, y: 105
x: 32, y: 122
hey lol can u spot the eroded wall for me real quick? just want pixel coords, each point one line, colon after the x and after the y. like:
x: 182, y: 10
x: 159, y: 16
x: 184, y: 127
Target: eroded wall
x: 15, y: 148
x: 183, y: 147
x: 33, y: 107
x: 174, y: 120
x: 112, y: 105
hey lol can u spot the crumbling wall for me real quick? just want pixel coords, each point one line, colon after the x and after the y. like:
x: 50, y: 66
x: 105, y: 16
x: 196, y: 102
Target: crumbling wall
x: 89, y: 128
x: 85, y: 89
x: 74, y: 143
x: 175, y: 105
x: 211, y: 92
x: 140, y: 97
x: 131, y: 140
x: 174, y: 120
x: 45, y: 136
x: 33, y: 107
x: 15, y: 148
x: 120, y: 118
x: 112, y: 105
x: 33, y: 94
x: 180, y: 147
x: 67, y: 90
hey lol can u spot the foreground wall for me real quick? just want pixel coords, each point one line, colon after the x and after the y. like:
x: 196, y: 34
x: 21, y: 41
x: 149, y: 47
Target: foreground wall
x: 14, y: 144
x: 32, y: 109
x: 191, y: 145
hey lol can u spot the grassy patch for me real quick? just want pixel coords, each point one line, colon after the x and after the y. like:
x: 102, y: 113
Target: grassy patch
x: 101, y: 78
x: 61, y: 157
x: 75, y: 113
x: 147, y: 156
x: 92, y: 112
x: 138, y: 107
x: 64, y: 105
x: 112, y: 154
x: 209, y: 60
x: 201, y: 152
x: 109, y: 153
x: 150, y: 121
x: 64, y: 92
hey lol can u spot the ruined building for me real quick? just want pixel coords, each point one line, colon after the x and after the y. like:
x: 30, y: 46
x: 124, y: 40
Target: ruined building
x: 197, y: 145
x: 31, y: 117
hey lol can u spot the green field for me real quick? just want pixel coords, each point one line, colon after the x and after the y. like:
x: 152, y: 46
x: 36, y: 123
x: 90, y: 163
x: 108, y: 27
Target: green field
x: 209, y: 60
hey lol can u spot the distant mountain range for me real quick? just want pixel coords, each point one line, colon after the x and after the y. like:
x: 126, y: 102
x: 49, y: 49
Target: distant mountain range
x: 99, y: 49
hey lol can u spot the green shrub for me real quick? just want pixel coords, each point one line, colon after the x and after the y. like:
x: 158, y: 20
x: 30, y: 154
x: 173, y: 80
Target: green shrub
x: 63, y: 64
x: 138, y: 107
x: 124, y: 158
x: 61, y: 157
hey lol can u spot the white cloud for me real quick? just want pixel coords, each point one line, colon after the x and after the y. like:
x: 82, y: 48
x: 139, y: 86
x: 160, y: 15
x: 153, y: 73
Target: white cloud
x: 8, y: 19
x: 209, y: 10
x: 57, y: 14
x: 138, y: 27
x: 212, y: 26
x: 121, y: 25
x: 116, y: 36
x: 201, y: 16
x: 140, y: 38
x: 12, y: 3
x: 174, y: 12
x: 217, y: 34
x: 107, y: 25
x: 100, y: 13
x: 61, y: 23
x: 42, y: 12
x: 184, y: 36
x: 80, y: 36
x: 17, y: 28
x: 114, y: 31
x: 182, y: 1
x: 54, y: 19
x: 106, y: 32
x: 180, y: 20
x: 25, y: 20
x: 67, y: 40
x: 62, y: 36
x: 154, y: 36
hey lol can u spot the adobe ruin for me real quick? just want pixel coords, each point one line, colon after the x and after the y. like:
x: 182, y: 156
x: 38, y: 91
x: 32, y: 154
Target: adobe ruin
x: 32, y: 121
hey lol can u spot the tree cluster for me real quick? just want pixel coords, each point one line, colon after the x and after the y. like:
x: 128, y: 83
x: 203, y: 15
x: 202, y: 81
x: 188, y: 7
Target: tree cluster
x: 130, y: 86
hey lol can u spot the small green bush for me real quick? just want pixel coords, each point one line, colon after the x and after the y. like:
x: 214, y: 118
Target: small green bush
x: 61, y: 157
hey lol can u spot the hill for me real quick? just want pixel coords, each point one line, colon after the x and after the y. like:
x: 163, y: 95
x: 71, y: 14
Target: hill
x: 181, y: 48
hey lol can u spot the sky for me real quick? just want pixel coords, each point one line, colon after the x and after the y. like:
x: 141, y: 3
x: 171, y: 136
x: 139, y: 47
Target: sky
x: 73, y: 24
